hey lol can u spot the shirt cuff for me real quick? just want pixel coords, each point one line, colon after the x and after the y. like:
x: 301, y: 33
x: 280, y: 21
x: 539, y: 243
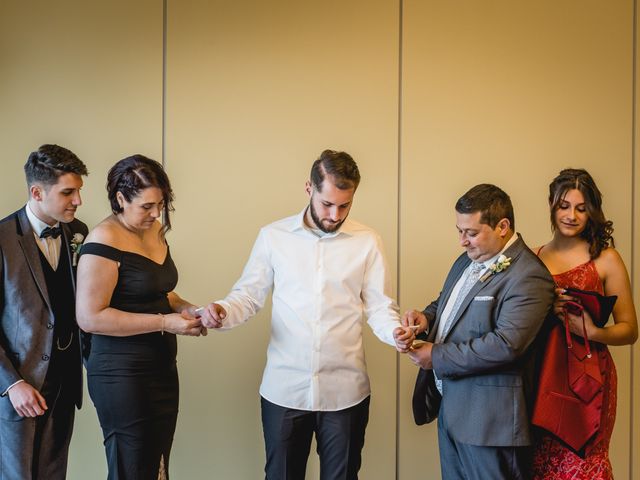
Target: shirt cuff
x: 227, y: 323
x: 4, y: 394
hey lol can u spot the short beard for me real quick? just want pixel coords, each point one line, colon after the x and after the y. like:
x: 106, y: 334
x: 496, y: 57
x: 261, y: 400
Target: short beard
x: 318, y: 222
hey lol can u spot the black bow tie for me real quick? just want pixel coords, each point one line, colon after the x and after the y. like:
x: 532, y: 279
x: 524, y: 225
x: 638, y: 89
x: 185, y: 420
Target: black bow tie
x: 53, y: 232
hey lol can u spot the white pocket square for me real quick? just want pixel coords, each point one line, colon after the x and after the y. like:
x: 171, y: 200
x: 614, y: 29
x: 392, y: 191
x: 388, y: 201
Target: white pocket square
x: 487, y: 298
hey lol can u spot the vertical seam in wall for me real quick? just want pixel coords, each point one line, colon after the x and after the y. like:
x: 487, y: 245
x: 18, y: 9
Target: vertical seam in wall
x: 164, y: 82
x: 398, y: 236
x: 634, y: 181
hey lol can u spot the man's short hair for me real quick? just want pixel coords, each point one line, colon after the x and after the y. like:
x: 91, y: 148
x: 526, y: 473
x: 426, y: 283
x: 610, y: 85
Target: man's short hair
x: 50, y: 162
x: 340, y: 166
x: 493, y: 202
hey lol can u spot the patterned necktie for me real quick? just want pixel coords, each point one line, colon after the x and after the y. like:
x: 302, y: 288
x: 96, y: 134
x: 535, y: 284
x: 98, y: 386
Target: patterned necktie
x: 470, y: 281
x: 53, y: 232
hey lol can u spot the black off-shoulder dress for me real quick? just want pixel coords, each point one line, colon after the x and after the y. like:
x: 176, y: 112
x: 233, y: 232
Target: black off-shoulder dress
x: 133, y: 380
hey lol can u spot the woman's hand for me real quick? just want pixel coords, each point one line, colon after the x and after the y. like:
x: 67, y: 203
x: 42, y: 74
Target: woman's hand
x: 560, y: 308
x: 182, y: 324
x: 559, y: 302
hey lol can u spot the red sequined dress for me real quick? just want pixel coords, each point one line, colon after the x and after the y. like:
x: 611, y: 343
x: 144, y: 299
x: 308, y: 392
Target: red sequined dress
x: 552, y: 459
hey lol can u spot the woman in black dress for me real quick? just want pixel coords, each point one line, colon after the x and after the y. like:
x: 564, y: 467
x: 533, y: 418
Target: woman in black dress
x: 125, y: 300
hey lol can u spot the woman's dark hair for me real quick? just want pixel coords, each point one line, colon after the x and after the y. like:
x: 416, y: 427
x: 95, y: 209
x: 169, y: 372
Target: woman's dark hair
x: 133, y: 174
x: 599, y: 230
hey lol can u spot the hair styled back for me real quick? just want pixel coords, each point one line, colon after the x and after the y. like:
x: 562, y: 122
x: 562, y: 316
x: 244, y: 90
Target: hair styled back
x: 50, y: 162
x: 133, y: 174
x: 493, y: 203
x: 599, y: 231
x: 340, y: 166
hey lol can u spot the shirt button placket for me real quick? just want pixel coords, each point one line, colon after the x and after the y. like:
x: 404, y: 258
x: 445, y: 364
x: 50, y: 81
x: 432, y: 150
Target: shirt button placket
x: 315, y: 327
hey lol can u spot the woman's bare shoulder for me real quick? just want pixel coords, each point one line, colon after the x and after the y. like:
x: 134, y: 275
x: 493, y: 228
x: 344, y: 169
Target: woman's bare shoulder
x: 610, y: 262
x: 107, y: 232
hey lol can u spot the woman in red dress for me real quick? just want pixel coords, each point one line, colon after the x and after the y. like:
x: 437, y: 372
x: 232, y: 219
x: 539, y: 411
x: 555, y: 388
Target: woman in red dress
x: 580, y: 255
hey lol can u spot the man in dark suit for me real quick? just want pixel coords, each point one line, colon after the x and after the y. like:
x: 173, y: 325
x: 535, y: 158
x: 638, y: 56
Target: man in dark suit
x: 476, y: 365
x: 40, y: 360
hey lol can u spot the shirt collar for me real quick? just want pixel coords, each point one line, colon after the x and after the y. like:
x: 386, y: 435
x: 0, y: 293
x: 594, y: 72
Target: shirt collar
x: 36, y: 224
x: 492, y: 260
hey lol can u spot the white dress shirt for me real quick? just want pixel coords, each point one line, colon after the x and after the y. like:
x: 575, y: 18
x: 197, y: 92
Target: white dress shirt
x: 322, y: 289
x: 50, y: 247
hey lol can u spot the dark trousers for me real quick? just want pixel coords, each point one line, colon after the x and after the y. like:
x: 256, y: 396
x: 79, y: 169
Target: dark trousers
x: 460, y: 461
x: 37, y: 448
x: 339, y: 436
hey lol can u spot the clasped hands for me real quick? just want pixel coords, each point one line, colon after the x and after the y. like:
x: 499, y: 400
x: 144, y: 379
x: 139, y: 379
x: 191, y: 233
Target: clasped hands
x: 188, y: 322
x: 212, y: 315
x: 418, y: 352
x: 413, y: 323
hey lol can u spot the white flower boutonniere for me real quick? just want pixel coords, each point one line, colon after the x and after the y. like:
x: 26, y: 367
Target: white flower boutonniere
x: 500, y: 265
x: 76, y: 245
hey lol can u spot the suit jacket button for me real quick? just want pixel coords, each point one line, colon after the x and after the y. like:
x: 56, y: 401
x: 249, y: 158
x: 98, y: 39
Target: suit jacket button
x: 45, y: 357
x: 49, y: 326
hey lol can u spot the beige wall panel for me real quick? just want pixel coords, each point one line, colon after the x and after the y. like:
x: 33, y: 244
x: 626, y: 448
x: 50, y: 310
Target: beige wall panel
x: 86, y: 75
x: 507, y: 93
x: 635, y: 355
x: 255, y: 91
x: 635, y: 271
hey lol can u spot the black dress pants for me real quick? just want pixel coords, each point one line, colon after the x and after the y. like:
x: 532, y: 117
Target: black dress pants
x: 339, y: 436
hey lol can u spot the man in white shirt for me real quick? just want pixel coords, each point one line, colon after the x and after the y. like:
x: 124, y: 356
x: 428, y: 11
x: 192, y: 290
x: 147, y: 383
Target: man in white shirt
x: 326, y: 271
x: 40, y: 362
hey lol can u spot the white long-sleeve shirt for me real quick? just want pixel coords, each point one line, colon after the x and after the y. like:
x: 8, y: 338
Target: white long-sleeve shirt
x: 322, y: 289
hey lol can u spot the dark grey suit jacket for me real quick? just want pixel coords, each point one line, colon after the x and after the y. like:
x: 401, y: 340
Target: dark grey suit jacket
x: 486, y: 360
x: 26, y: 318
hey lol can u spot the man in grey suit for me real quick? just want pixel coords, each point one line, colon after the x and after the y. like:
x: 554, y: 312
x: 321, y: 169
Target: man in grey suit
x: 477, y: 361
x: 40, y: 359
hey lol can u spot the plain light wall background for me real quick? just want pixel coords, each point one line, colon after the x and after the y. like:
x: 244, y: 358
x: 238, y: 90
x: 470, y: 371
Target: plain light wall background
x: 430, y: 97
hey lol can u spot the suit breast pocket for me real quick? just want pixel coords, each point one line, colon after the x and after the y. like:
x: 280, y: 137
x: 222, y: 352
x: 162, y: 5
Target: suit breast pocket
x: 480, y: 316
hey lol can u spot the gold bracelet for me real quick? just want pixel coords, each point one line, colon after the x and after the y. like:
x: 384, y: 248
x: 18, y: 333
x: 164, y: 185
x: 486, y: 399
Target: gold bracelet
x: 162, y: 324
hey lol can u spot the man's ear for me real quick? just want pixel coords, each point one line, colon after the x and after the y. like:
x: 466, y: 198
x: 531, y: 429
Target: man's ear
x: 504, y: 226
x: 35, y: 191
x: 308, y: 187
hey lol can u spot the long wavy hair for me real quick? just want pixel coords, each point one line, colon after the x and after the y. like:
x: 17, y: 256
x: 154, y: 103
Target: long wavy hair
x: 599, y: 231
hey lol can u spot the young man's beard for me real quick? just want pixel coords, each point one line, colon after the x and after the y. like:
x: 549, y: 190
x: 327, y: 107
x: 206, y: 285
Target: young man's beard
x: 318, y: 222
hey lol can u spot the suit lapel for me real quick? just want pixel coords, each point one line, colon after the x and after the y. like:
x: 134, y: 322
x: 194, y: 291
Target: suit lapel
x: 31, y: 254
x: 456, y: 271
x: 513, y: 252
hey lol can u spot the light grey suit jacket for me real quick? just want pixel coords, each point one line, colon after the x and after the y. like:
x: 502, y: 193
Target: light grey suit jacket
x: 26, y: 318
x: 486, y: 360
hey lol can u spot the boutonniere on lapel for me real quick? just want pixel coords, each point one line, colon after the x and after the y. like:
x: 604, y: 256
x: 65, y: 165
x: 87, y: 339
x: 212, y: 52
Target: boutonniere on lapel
x: 500, y: 265
x: 76, y: 245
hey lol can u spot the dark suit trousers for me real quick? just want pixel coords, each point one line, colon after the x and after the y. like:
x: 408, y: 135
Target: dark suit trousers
x: 339, y: 436
x: 459, y: 461
x: 37, y: 448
